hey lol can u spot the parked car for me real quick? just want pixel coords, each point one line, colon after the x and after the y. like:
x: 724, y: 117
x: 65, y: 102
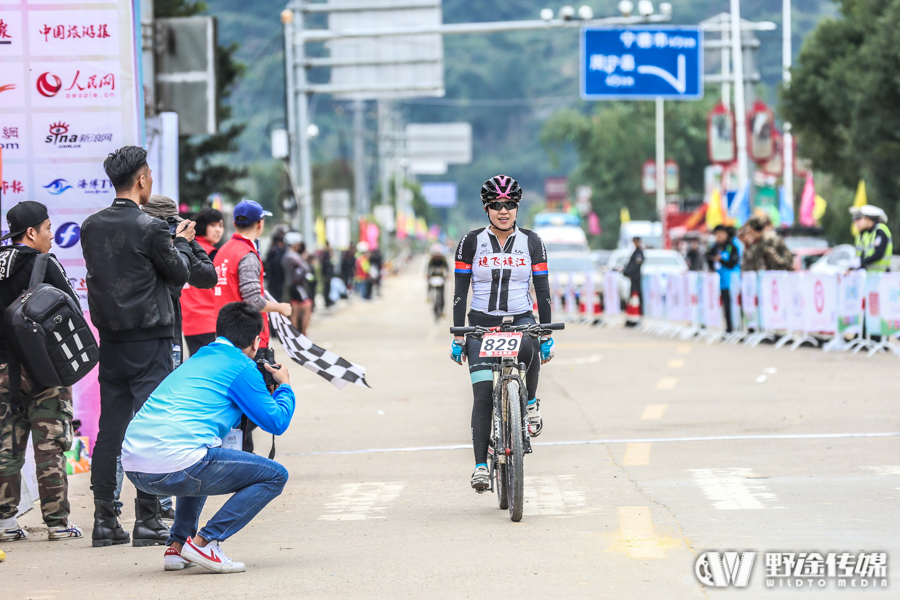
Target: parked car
x: 601, y: 258
x: 656, y: 262
x: 835, y: 260
x: 560, y: 239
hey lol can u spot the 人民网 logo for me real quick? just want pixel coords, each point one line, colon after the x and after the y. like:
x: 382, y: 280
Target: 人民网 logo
x: 57, y: 186
x: 48, y: 85
x: 724, y: 569
x: 68, y: 235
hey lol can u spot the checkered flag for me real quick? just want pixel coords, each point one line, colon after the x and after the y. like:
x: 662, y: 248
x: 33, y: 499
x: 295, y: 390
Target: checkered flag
x: 322, y: 362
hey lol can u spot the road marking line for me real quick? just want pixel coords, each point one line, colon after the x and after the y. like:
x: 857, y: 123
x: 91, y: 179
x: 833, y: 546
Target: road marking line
x: 729, y: 489
x: 676, y: 363
x: 358, y: 501
x: 707, y: 438
x: 637, y: 454
x: 636, y: 532
x: 683, y: 349
x: 653, y: 411
x: 553, y: 496
x: 666, y: 383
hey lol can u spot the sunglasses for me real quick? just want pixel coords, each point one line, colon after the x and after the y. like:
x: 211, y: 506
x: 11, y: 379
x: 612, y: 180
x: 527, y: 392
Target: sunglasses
x: 858, y: 217
x: 498, y: 206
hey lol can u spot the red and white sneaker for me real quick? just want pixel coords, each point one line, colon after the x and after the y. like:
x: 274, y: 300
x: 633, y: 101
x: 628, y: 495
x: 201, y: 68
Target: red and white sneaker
x: 210, y: 557
x: 172, y: 561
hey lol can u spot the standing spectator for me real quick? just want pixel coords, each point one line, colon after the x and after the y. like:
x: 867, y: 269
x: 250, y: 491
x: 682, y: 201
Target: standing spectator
x: 327, y: 270
x: 348, y: 268
x: 376, y: 262
x: 363, y: 276
x: 694, y: 256
x: 197, y: 304
x: 131, y: 260
x: 764, y: 249
x: 45, y: 413
x: 633, y: 270
x: 874, y: 245
x: 203, y: 273
x: 241, y: 274
x: 724, y: 258
x: 275, y: 274
x: 300, y: 281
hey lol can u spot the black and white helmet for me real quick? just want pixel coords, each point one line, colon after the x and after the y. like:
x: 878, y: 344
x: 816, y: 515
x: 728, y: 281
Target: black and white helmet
x: 500, y: 187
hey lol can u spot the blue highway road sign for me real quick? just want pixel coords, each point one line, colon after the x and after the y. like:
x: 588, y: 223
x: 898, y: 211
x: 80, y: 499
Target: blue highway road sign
x: 642, y: 63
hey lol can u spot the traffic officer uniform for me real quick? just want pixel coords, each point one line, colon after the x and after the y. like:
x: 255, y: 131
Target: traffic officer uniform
x: 873, y: 245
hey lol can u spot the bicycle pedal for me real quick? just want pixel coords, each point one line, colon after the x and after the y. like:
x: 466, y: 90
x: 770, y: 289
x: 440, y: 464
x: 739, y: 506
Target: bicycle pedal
x: 527, y: 449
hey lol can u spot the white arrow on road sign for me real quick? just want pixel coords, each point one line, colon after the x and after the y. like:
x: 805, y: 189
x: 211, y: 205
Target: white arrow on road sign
x: 679, y: 84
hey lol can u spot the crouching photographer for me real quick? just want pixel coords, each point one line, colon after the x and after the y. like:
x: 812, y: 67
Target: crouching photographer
x: 173, y: 445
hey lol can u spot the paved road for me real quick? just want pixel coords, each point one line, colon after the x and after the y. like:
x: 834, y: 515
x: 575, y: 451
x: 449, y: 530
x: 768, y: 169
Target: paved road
x: 653, y: 451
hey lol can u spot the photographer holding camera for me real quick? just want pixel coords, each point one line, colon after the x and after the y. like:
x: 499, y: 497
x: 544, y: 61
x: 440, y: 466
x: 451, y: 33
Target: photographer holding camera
x: 173, y: 445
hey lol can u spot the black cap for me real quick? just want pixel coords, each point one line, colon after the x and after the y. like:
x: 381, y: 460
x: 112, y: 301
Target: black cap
x: 24, y: 215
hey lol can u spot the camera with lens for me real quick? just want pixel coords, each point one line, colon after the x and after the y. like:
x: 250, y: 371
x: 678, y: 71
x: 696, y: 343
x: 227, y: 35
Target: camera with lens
x: 261, y: 363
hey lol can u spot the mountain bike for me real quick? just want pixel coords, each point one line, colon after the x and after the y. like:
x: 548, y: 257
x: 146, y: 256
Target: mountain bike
x: 509, y: 441
x: 436, y: 293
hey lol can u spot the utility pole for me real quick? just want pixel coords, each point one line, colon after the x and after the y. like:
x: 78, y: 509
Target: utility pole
x: 740, y: 111
x: 660, y: 160
x: 788, y: 139
x: 360, y: 190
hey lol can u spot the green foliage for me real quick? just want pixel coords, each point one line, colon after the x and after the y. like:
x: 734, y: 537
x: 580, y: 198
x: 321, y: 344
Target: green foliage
x: 844, y: 102
x: 613, y: 143
x: 205, y: 167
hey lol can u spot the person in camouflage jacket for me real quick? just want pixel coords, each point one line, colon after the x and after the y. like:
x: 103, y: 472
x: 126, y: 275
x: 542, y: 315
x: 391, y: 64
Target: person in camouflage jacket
x: 765, y: 250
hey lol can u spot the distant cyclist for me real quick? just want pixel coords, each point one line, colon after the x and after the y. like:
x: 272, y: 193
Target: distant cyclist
x: 436, y: 273
x: 500, y: 261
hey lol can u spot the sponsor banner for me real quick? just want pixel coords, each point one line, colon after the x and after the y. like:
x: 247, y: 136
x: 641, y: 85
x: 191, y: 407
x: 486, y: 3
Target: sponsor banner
x: 12, y: 85
x: 889, y: 294
x: 78, y: 188
x: 850, y: 309
x: 796, y: 317
x: 13, y: 136
x: 611, y: 299
x: 711, y: 301
x: 873, y: 303
x: 76, y: 135
x: 774, y: 299
x: 656, y: 307
x: 749, y: 300
x: 675, y: 298
x: 73, y: 32
x: 821, y: 301
x: 735, y: 287
x: 15, y: 187
x: 80, y: 83
x: 692, y: 297
x: 10, y: 33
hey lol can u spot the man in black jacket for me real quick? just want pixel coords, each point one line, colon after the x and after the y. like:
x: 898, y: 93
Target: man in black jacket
x: 46, y: 413
x: 131, y: 260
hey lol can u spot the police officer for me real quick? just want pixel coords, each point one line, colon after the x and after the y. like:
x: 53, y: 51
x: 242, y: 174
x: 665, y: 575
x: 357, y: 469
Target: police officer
x: 873, y: 242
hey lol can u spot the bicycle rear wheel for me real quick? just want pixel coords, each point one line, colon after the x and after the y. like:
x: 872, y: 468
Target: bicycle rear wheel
x: 515, y: 468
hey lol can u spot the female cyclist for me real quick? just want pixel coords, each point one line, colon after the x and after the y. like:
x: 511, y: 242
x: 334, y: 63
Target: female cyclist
x: 500, y: 261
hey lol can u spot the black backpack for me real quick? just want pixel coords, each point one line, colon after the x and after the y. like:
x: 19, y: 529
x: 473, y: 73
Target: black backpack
x: 48, y: 335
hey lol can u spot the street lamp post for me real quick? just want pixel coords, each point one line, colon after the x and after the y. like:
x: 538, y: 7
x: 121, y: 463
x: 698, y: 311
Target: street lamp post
x: 739, y: 98
x: 788, y: 136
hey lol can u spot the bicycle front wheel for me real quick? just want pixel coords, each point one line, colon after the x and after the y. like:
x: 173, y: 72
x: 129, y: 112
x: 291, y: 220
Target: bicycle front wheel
x: 515, y: 468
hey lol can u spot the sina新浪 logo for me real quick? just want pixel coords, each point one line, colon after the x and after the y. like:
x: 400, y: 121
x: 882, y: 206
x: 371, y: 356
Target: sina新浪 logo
x: 61, y: 137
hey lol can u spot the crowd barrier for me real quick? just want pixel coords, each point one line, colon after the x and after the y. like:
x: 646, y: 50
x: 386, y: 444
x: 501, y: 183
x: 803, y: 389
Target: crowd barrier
x: 852, y: 312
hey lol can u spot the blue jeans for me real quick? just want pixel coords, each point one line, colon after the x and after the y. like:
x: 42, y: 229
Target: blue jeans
x: 255, y: 481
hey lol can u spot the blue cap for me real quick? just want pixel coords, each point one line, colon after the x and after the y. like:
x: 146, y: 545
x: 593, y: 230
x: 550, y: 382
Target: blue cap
x: 248, y: 212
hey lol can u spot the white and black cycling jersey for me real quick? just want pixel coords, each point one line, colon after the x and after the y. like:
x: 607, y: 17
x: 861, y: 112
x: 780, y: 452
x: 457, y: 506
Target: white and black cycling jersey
x: 501, y: 276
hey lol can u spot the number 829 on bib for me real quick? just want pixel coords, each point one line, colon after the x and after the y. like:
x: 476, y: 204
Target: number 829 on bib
x: 500, y: 344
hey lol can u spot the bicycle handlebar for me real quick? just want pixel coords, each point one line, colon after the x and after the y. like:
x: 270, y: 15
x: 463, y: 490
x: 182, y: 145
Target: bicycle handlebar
x: 532, y: 329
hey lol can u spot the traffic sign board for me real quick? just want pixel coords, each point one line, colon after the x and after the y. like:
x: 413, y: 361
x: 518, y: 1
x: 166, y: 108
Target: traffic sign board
x: 642, y: 63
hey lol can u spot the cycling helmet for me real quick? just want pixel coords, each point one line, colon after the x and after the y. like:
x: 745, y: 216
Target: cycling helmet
x: 500, y: 187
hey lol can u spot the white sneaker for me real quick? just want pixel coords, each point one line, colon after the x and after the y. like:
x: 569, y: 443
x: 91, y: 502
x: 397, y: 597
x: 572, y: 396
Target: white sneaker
x: 68, y: 532
x: 173, y: 561
x: 210, y: 557
x: 535, y: 422
x: 10, y: 530
x: 481, y: 479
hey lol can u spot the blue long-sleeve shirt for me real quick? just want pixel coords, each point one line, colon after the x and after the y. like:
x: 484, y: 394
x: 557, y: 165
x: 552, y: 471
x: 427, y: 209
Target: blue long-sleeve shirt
x: 195, y: 407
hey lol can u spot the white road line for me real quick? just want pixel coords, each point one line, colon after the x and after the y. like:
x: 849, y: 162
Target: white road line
x: 708, y: 438
x: 553, y: 496
x: 653, y: 411
x: 360, y: 501
x: 676, y: 363
x: 730, y: 489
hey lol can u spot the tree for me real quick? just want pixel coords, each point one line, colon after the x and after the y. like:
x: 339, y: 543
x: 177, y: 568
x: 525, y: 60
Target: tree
x: 203, y: 168
x: 614, y: 142
x: 844, y: 99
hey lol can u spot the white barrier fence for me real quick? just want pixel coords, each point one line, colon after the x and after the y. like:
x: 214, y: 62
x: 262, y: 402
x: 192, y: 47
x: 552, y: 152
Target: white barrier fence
x: 843, y: 312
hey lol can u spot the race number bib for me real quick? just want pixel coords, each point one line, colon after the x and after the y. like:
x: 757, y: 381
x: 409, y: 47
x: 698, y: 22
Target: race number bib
x: 500, y: 344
